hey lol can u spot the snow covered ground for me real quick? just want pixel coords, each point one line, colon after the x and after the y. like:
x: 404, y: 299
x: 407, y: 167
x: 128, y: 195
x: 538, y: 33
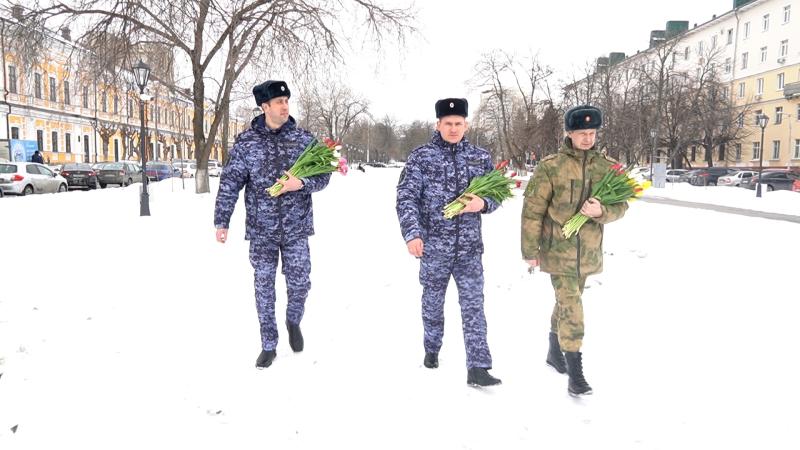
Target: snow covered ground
x: 124, y: 332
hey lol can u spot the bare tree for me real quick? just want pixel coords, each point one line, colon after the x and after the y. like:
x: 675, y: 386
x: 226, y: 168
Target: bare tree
x: 221, y: 39
x: 332, y: 107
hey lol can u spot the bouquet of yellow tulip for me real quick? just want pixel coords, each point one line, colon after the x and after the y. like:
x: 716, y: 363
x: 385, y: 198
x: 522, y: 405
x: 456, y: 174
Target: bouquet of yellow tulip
x: 617, y: 186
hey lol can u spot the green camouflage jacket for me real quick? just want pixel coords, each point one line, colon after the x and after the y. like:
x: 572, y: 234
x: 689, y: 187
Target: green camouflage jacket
x: 560, y: 185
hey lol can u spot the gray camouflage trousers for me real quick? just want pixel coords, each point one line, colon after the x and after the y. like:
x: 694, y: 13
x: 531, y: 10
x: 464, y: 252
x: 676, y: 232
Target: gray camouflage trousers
x: 434, y: 275
x: 296, y: 268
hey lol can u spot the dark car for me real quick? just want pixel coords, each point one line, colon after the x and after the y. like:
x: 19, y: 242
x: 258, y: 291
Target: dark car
x: 775, y: 180
x: 79, y: 175
x: 121, y: 173
x: 157, y: 171
x: 708, y: 176
x: 686, y: 176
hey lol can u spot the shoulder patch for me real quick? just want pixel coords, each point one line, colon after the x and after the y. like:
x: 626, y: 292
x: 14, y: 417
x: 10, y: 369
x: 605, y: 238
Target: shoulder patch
x: 549, y: 157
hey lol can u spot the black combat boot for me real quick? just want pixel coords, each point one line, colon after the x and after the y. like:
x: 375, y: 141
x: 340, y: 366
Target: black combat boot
x: 431, y: 360
x: 478, y: 376
x: 555, y: 358
x: 265, y: 359
x: 577, y: 383
x: 295, y: 336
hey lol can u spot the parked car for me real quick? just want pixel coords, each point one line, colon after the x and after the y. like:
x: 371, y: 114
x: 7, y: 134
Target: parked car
x: 157, y: 171
x: 186, y: 169
x: 214, y: 168
x: 121, y: 173
x: 708, y: 176
x: 735, y: 179
x: 79, y: 175
x: 795, y: 186
x: 685, y: 177
x: 775, y: 180
x: 674, y: 175
x: 24, y: 178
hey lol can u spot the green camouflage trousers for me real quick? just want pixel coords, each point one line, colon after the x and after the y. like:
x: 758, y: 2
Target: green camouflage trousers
x: 567, y: 318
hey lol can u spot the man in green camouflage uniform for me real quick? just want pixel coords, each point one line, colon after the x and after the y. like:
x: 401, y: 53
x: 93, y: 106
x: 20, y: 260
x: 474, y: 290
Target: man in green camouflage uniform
x: 561, y: 187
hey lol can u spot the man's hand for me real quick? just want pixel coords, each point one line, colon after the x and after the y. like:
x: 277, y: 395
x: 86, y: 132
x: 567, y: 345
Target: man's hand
x: 532, y: 262
x: 415, y: 247
x: 222, y: 235
x: 472, y: 203
x: 292, y: 184
x: 591, y: 208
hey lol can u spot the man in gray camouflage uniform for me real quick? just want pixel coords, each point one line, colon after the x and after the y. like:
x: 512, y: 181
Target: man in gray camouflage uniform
x: 434, y: 175
x: 277, y: 226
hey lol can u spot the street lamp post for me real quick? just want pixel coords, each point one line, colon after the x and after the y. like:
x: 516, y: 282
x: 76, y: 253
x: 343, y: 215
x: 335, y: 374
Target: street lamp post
x: 763, y: 119
x: 141, y: 72
x: 652, y: 151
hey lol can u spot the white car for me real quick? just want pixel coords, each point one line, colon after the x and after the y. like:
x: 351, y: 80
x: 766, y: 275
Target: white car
x: 24, y: 178
x: 214, y: 168
x: 736, y: 179
x: 674, y: 174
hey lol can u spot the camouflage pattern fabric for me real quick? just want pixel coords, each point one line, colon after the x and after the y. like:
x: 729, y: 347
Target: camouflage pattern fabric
x: 259, y: 157
x: 434, y: 275
x: 567, y: 318
x: 296, y: 267
x: 434, y: 175
x: 560, y: 185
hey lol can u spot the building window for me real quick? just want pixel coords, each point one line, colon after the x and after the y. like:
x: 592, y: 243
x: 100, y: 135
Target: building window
x: 784, y: 47
x: 700, y: 48
x: 686, y: 52
x: 755, y: 116
x: 760, y: 86
x: 765, y: 22
x: 776, y: 149
x: 727, y: 65
x: 694, y: 153
x: 778, y: 115
x: 797, y: 149
x: 54, y: 141
x: 14, y: 133
x: 86, y: 96
x: 12, y: 79
x: 740, y: 120
x: 787, y: 13
x: 721, y: 155
x: 53, y: 89
x: 744, y: 60
x: 116, y: 104
x: 68, y: 142
x: 738, y: 152
x: 714, y: 41
x: 103, y: 101
x: 130, y: 108
x: 726, y: 92
x: 66, y: 92
x: 40, y: 140
x: 781, y: 81
x: 756, y: 149
x: 763, y: 54
x: 37, y: 85
x: 746, y: 30
x: 797, y: 113
x: 741, y: 90
x: 730, y: 36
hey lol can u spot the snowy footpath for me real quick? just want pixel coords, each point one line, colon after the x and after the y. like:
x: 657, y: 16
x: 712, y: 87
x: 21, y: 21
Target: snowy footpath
x: 121, y: 332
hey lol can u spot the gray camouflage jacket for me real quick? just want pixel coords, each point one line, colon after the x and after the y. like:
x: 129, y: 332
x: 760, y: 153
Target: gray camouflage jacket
x: 260, y: 156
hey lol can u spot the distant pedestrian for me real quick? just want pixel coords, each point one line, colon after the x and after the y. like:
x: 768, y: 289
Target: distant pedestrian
x: 361, y: 168
x: 37, y: 157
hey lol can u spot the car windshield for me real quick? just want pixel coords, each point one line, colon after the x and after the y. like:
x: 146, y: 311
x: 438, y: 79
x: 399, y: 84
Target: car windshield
x: 77, y: 167
x: 113, y: 166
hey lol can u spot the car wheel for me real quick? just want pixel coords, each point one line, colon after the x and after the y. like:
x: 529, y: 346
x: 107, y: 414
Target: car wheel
x: 28, y: 190
x: 62, y: 187
x: 770, y: 188
x: 102, y: 185
x: 128, y: 182
x: 712, y: 184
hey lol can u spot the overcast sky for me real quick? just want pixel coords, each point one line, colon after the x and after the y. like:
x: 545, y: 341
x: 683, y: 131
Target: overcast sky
x: 439, y: 61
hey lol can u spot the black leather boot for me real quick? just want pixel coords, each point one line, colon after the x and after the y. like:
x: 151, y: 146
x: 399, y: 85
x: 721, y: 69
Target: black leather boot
x: 555, y: 358
x: 295, y: 337
x: 478, y: 376
x: 265, y: 359
x: 577, y: 383
x: 431, y: 360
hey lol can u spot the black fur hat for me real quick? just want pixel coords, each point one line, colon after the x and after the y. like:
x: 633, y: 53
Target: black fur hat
x: 451, y: 107
x: 270, y: 89
x: 583, y: 117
